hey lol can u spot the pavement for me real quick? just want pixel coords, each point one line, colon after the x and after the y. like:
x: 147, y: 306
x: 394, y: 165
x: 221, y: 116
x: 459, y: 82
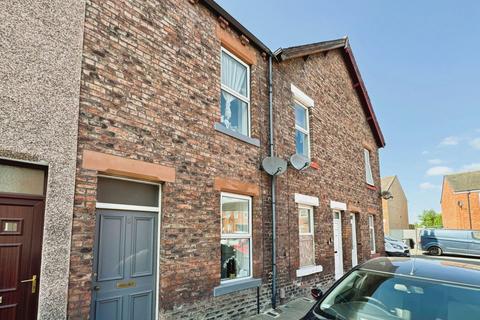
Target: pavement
x: 297, y: 308
x: 294, y: 309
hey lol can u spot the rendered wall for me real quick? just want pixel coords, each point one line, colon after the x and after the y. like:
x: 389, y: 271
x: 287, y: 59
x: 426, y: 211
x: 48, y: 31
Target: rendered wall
x: 40, y: 56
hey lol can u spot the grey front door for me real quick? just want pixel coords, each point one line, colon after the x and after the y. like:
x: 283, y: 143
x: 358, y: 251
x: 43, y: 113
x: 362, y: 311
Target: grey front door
x: 125, y: 265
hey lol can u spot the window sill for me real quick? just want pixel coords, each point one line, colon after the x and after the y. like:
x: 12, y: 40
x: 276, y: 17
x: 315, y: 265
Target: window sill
x: 308, y: 270
x: 229, y: 287
x: 371, y: 187
x: 221, y: 128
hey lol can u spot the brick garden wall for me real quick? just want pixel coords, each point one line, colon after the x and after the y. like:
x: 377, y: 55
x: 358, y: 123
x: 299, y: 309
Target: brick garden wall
x: 150, y: 91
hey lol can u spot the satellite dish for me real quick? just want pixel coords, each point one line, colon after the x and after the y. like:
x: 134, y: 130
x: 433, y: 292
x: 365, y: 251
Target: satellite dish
x: 299, y: 162
x: 274, y: 166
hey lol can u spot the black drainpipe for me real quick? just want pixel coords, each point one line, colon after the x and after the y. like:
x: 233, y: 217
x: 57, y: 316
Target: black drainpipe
x: 469, y: 211
x: 272, y: 154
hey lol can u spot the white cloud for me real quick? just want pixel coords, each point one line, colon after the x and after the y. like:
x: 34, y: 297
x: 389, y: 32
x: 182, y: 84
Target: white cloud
x: 471, y: 167
x: 424, y: 152
x: 475, y: 143
x: 435, y: 161
x: 439, y: 171
x: 450, y: 141
x: 477, y: 130
x: 428, y: 186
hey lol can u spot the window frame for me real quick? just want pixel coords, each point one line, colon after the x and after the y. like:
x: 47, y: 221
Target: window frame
x: 237, y: 95
x: 299, y: 128
x: 312, y: 233
x: 371, y: 227
x: 238, y: 235
x: 368, y: 167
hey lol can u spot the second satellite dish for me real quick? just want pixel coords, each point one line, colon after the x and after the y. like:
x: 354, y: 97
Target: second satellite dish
x: 299, y: 162
x: 274, y: 165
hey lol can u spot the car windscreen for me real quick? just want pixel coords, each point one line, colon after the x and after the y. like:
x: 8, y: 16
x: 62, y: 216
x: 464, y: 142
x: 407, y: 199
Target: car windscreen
x: 371, y: 295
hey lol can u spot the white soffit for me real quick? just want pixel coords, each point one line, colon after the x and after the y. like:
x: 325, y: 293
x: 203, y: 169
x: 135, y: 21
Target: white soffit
x: 308, y: 200
x: 338, y: 205
x: 302, y: 97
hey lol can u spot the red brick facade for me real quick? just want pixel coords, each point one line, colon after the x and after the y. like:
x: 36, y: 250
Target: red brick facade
x: 455, y: 211
x: 338, y: 135
x: 150, y: 92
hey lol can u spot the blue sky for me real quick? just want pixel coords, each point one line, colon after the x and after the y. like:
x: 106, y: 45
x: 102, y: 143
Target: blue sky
x: 420, y: 61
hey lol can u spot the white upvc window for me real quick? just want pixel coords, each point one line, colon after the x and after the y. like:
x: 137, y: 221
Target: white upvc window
x: 368, y: 167
x: 306, y: 236
x: 236, y: 237
x: 235, y: 93
x: 302, y: 130
x: 371, y: 232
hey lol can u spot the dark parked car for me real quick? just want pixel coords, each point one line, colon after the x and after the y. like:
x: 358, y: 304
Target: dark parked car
x: 402, y: 288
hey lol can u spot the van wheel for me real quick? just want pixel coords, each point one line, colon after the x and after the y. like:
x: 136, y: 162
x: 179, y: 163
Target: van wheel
x: 434, y: 251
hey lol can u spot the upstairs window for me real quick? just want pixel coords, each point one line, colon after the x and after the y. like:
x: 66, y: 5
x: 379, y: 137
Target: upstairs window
x: 368, y: 167
x: 302, y: 134
x: 235, y: 94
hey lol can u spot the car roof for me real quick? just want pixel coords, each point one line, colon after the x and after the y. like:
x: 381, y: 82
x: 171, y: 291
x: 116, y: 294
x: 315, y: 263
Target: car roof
x: 433, y: 269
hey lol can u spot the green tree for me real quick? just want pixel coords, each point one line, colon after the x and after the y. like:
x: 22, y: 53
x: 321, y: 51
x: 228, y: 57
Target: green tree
x: 430, y: 219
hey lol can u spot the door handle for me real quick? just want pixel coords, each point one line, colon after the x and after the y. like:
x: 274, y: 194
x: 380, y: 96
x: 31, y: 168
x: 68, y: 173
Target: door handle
x: 96, y: 288
x: 33, y: 281
x: 336, y: 252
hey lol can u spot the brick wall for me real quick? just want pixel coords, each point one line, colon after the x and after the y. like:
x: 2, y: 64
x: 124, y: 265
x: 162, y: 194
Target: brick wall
x: 338, y: 134
x: 458, y: 217
x: 150, y: 92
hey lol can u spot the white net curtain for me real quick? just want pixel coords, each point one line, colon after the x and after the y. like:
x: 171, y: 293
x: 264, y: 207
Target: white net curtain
x: 234, y: 100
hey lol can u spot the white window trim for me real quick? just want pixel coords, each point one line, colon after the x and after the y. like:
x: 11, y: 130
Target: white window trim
x: 241, y: 97
x: 368, y: 167
x: 300, y: 96
x: 307, y: 200
x: 311, y: 233
x: 239, y: 235
x: 338, y: 205
x: 307, y: 122
x: 305, y: 271
x: 371, y: 226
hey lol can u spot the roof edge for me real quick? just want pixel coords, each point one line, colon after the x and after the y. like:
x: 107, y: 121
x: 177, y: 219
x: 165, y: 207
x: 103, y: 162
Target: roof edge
x: 394, y: 177
x: 283, y: 54
x: 217, y: 9
x: 359, y: 85
x: 308, y: 49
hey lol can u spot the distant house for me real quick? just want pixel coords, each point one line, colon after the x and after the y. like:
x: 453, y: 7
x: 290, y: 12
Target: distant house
x: 461, y: 201
x: 395, y: 209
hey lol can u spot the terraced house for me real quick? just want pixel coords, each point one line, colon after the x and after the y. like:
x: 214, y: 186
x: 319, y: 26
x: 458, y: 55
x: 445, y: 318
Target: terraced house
x: 173, y: 214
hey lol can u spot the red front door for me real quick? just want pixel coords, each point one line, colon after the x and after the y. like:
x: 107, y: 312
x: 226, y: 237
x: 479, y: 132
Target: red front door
x: 21, y: 226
